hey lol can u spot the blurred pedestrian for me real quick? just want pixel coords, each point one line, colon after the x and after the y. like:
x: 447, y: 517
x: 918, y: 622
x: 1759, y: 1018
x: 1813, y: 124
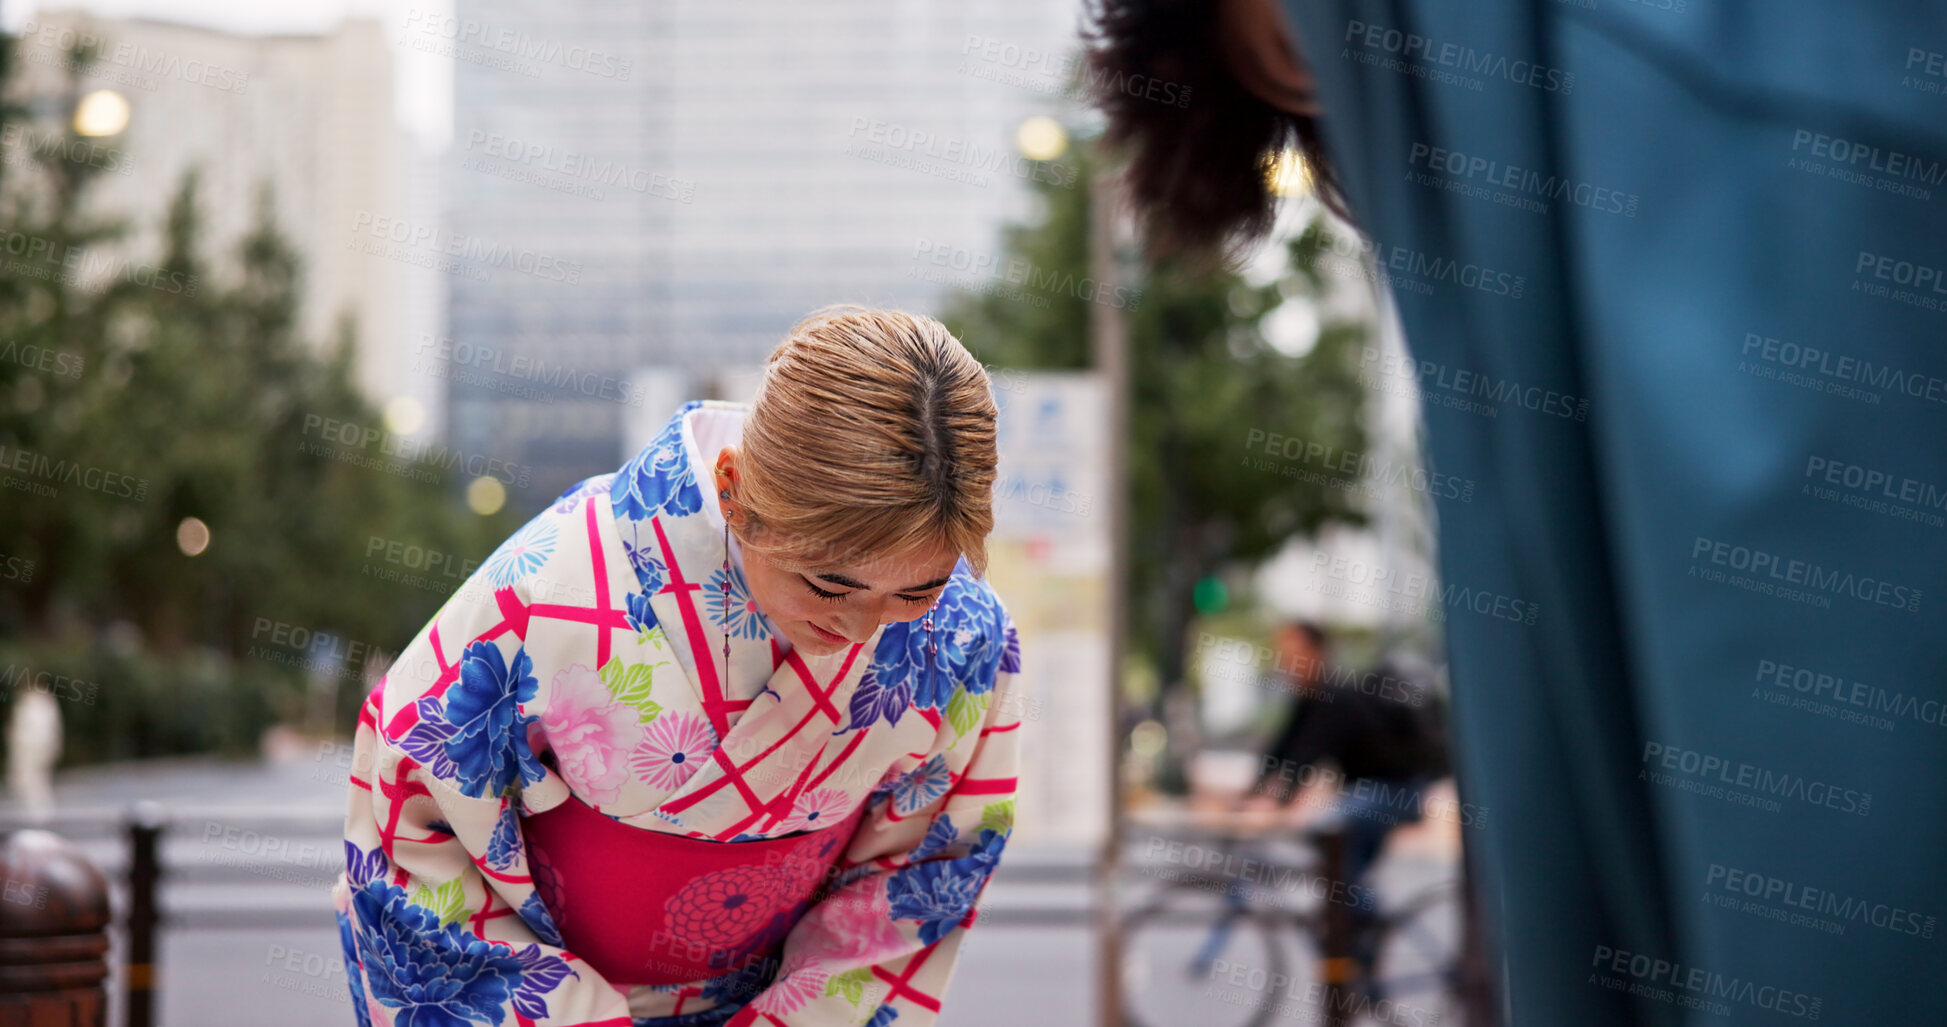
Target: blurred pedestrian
x: 33, y: 747
x: 1373, y: 738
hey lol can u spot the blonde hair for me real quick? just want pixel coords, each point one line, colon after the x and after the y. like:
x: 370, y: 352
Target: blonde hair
x: 872, y: 434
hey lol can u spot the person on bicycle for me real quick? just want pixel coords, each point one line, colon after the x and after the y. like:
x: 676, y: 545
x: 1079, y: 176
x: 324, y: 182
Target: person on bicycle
x: 1380, y: 730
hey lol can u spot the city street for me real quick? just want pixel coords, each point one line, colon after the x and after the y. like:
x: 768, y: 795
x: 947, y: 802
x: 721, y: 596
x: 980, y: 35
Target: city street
x: 249, y: 937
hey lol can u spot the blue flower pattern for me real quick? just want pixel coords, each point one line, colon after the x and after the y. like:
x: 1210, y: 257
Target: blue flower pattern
x: 524, y: 553
x: 736, y: 614
x: 971, y: 641
x: 439, y: 975
x: 504, y: 847
x: 641, y: 616
x: 740, y: 986
x: 349, y: 943
x: 535, y: 914
x: 659, y: 479
x: 645, y: 558
x: 362, y: 867
x: 918, y: 789
x: 939, y: 836
x: 479, y: 738
x: 939, y: 893
x: 572, y: 497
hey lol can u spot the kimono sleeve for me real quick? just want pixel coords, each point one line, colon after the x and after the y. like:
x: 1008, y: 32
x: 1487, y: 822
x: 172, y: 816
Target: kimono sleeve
x: 436, y: 909
x: 880, y: 947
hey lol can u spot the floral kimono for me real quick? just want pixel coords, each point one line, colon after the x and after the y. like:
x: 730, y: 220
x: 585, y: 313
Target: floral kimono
x: 578, y: 676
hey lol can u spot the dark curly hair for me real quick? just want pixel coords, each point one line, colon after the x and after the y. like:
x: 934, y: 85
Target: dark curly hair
x: 1197, y: 167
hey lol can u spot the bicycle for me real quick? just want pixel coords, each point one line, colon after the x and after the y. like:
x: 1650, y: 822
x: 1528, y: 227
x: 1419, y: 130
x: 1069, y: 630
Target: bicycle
x: 1403, y: 972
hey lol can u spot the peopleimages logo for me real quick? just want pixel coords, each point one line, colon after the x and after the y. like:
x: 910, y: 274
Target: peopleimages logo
x: 997, y: 158
x: 581, y: 169
x: 435, y: 242
x: 357, y: 439
x: 976, y: 266
x: 1820, y: 685
x: 1414, y: 592
x: 1824, y: 902
x: 1839, y: 368
x: 1914, y: 284
x: 1411, y: 46
x: 61, y: 363
x: 1770, y: 570
x: 1434, y: 377
x: 1367, y: 469
x: 1708, y: 774
x: 1405, y: 268
x: 1694, y: 987
x: 65, y: 472
x: 520, y: 44
x: 82, y: 264
x: 1455, y: 164
x: 1875, y: 491
x: 1901, y: 272
x: 22, y: 143
x: 456, y: 358
x: 1867, y: 157
x: 137, y: 58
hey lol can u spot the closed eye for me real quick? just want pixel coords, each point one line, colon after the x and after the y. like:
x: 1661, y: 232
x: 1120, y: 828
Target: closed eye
x: 821, y: 593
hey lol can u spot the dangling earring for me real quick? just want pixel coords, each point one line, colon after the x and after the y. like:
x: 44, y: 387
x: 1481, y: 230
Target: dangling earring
x: 932, y: 656
x: 725, y: 495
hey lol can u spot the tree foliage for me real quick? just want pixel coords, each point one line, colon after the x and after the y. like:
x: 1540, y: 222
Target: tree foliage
x: 1208, y: 390
x: 141, y: 389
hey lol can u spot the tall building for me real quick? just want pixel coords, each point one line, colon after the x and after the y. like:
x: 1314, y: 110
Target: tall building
x: 311, y: 115
x: 649, y: 194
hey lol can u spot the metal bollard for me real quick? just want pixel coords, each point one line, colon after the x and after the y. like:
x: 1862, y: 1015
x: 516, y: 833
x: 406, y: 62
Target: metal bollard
x: 53, y: 934
x: 145, y: 824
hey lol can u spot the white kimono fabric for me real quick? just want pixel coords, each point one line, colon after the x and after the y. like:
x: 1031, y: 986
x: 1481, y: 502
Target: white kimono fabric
x: 596, y: 633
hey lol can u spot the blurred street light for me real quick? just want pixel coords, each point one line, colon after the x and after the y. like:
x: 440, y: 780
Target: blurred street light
x: 1289, y: 175
x: 101, y: 113
x: 1041, y: 138
x: 485, y: 496
x: 404, y: 415
x: 192, y: 536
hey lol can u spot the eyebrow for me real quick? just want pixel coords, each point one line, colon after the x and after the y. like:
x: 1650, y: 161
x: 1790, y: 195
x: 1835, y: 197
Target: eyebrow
x: 840, y: 579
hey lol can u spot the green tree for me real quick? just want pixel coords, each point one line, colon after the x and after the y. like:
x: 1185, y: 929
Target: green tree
x: 1207, y: 389
x: 191, y: 378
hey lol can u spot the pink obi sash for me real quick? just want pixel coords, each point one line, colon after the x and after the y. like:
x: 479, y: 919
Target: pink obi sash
x: 649, y: 907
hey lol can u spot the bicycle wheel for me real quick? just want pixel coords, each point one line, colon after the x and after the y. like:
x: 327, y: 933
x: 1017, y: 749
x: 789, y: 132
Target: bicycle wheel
x: 1416, y: 962
x: 1192, y: 957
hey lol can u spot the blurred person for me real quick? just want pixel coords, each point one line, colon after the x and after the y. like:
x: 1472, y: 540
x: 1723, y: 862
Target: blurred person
x: 1375, y: 735
x: 680, y: 752
x: 1672, y: 278
x: 33, y: 748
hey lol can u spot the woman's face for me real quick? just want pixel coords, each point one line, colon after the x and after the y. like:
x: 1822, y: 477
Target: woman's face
x: 825, y: 609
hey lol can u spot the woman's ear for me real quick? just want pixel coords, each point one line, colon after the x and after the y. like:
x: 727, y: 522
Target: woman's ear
x: 725, y: 478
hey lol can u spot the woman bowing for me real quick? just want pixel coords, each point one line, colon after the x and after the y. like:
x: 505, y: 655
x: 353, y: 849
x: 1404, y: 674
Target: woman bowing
x: 723, y: 737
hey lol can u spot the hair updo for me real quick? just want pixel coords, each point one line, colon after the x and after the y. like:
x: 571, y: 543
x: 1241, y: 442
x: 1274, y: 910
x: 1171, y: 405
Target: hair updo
x: 872, y: 434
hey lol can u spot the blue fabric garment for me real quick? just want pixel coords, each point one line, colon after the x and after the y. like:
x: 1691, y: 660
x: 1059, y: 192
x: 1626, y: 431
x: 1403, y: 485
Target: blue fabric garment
x: 1672, y: 277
